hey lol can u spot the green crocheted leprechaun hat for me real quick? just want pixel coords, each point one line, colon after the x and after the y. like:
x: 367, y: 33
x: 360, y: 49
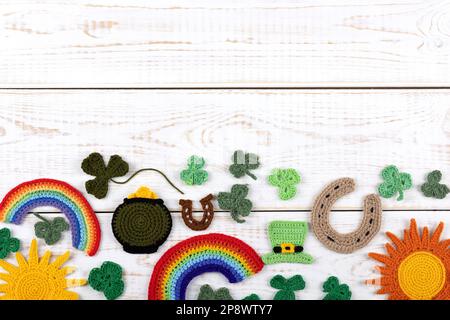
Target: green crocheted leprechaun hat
x: 287, y: 238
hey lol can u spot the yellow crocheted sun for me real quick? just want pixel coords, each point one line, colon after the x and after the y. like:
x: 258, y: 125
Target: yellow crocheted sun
x: 415, y: 268
x: 38, y: 279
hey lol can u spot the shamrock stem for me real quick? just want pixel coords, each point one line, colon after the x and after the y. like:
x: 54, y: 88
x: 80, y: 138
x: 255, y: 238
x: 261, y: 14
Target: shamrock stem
x: 147, y: 169
x: 251, y: 175
x: 400, y: 197
x: 40, y: 217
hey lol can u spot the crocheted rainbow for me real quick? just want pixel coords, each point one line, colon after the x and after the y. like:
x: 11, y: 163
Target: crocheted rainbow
x: 197, y: 255
x: 62, y: 196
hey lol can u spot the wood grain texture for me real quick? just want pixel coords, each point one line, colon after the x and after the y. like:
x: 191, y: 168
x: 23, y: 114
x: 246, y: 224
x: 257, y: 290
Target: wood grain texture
x: 180, y: 43
x: 323, y: 134
x: 352, y: 269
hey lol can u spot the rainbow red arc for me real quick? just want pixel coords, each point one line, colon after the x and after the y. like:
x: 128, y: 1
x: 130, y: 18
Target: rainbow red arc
x: 213, y: 252
x: 30, y: 195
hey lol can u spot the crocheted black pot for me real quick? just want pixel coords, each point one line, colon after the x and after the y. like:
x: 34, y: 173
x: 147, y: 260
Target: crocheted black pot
x: 142, y: 225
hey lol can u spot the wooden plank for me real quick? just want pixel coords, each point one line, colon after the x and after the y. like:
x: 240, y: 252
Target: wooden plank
x: 180, y: 43
x: 324, y: 134
x: 352, y: 269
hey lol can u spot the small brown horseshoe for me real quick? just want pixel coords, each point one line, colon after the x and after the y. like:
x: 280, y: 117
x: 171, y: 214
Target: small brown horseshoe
x: 349, y: 242
x: 208, y: 213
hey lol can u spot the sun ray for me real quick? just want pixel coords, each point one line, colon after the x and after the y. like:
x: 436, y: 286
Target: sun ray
x: 8, y: 267
x: 45, y: 259
x: 33, y: 257
x: 397, y: 242
x: 60, y: 260
x: 380, y: 257
x: 5, y: 277
x: 21, y: 261
x: 416, y: 267
x: 425, y: 238
x: 437, y: 234
x: 38, y: 280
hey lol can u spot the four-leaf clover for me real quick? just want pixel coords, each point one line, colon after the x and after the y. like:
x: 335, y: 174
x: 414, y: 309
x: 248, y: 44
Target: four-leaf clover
x: 432, y: 188
x: 394, y: 181
x: 243, y: 163
x: 107, y: 279
x: 7, y: 243
x: 194, y: 175
x: 286, y: 180
x: 287, y: 287
x: 235, y: 202
x: 336, y: 291
x: 207, y: 293
x: 50, y: 230
x: 94, y: 165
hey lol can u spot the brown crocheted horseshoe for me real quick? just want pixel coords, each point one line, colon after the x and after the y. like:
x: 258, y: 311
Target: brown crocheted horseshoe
x: 208, y: 213
x: 344, y: 243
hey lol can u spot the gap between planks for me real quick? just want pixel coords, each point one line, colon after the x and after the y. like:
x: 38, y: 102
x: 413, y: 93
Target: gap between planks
x: 318, y: 88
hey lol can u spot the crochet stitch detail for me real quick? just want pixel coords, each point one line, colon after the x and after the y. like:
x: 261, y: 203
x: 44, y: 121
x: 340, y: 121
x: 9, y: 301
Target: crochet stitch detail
x: 287, y: 239
x: 415, y: 267
x: 94, y: 165
x: 243, y: 163
x: 336, y: 291
x: 142, y: 225
x: 432, y: 188
x: 38, y: 278
x: 143, y: 192
x: 208, y: 213
x: 394, y: 181
x: 286, y: 181
x: 192, y: 257
x: 287, y: 287
x: 348, y: 242
x: 194, y: 174
x: 207, y: 293
x: 107, y: 279
x: 24, y: 198
x: 235, y: 202
x: 8, y: 244
x: 50, y: 229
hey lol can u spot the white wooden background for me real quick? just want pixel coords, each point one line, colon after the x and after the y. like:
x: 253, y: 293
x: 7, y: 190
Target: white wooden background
x: 158, y: 81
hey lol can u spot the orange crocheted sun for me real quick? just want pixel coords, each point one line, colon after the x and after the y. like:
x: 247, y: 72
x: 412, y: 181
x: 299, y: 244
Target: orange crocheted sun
x: 415, y: 268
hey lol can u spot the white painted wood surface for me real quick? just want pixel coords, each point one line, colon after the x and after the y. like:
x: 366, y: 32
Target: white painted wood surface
x: 160, y: 43
x: 323, y: 134
x: 352, y: 269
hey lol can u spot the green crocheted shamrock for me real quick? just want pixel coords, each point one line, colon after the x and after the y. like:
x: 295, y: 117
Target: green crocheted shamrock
x: 194, y: 175
x: 394, y: 181
x: 252, y: 297
x: 207, y: 293
x: 287, y: 287
x: 286, y: 180
x: 235, y: 202
x: 107, y: 279
x: 8, y: 244
x: 432, y: 188
x: 94, y: 165
x: 243, y: 163
x: 50, y: 230
x: 336, y: 291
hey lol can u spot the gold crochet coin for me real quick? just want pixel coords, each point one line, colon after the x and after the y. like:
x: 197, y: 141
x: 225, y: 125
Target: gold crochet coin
x: 421, y: 275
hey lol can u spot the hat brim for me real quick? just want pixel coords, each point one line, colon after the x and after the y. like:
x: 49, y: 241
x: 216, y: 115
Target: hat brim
x: 273, y: 258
